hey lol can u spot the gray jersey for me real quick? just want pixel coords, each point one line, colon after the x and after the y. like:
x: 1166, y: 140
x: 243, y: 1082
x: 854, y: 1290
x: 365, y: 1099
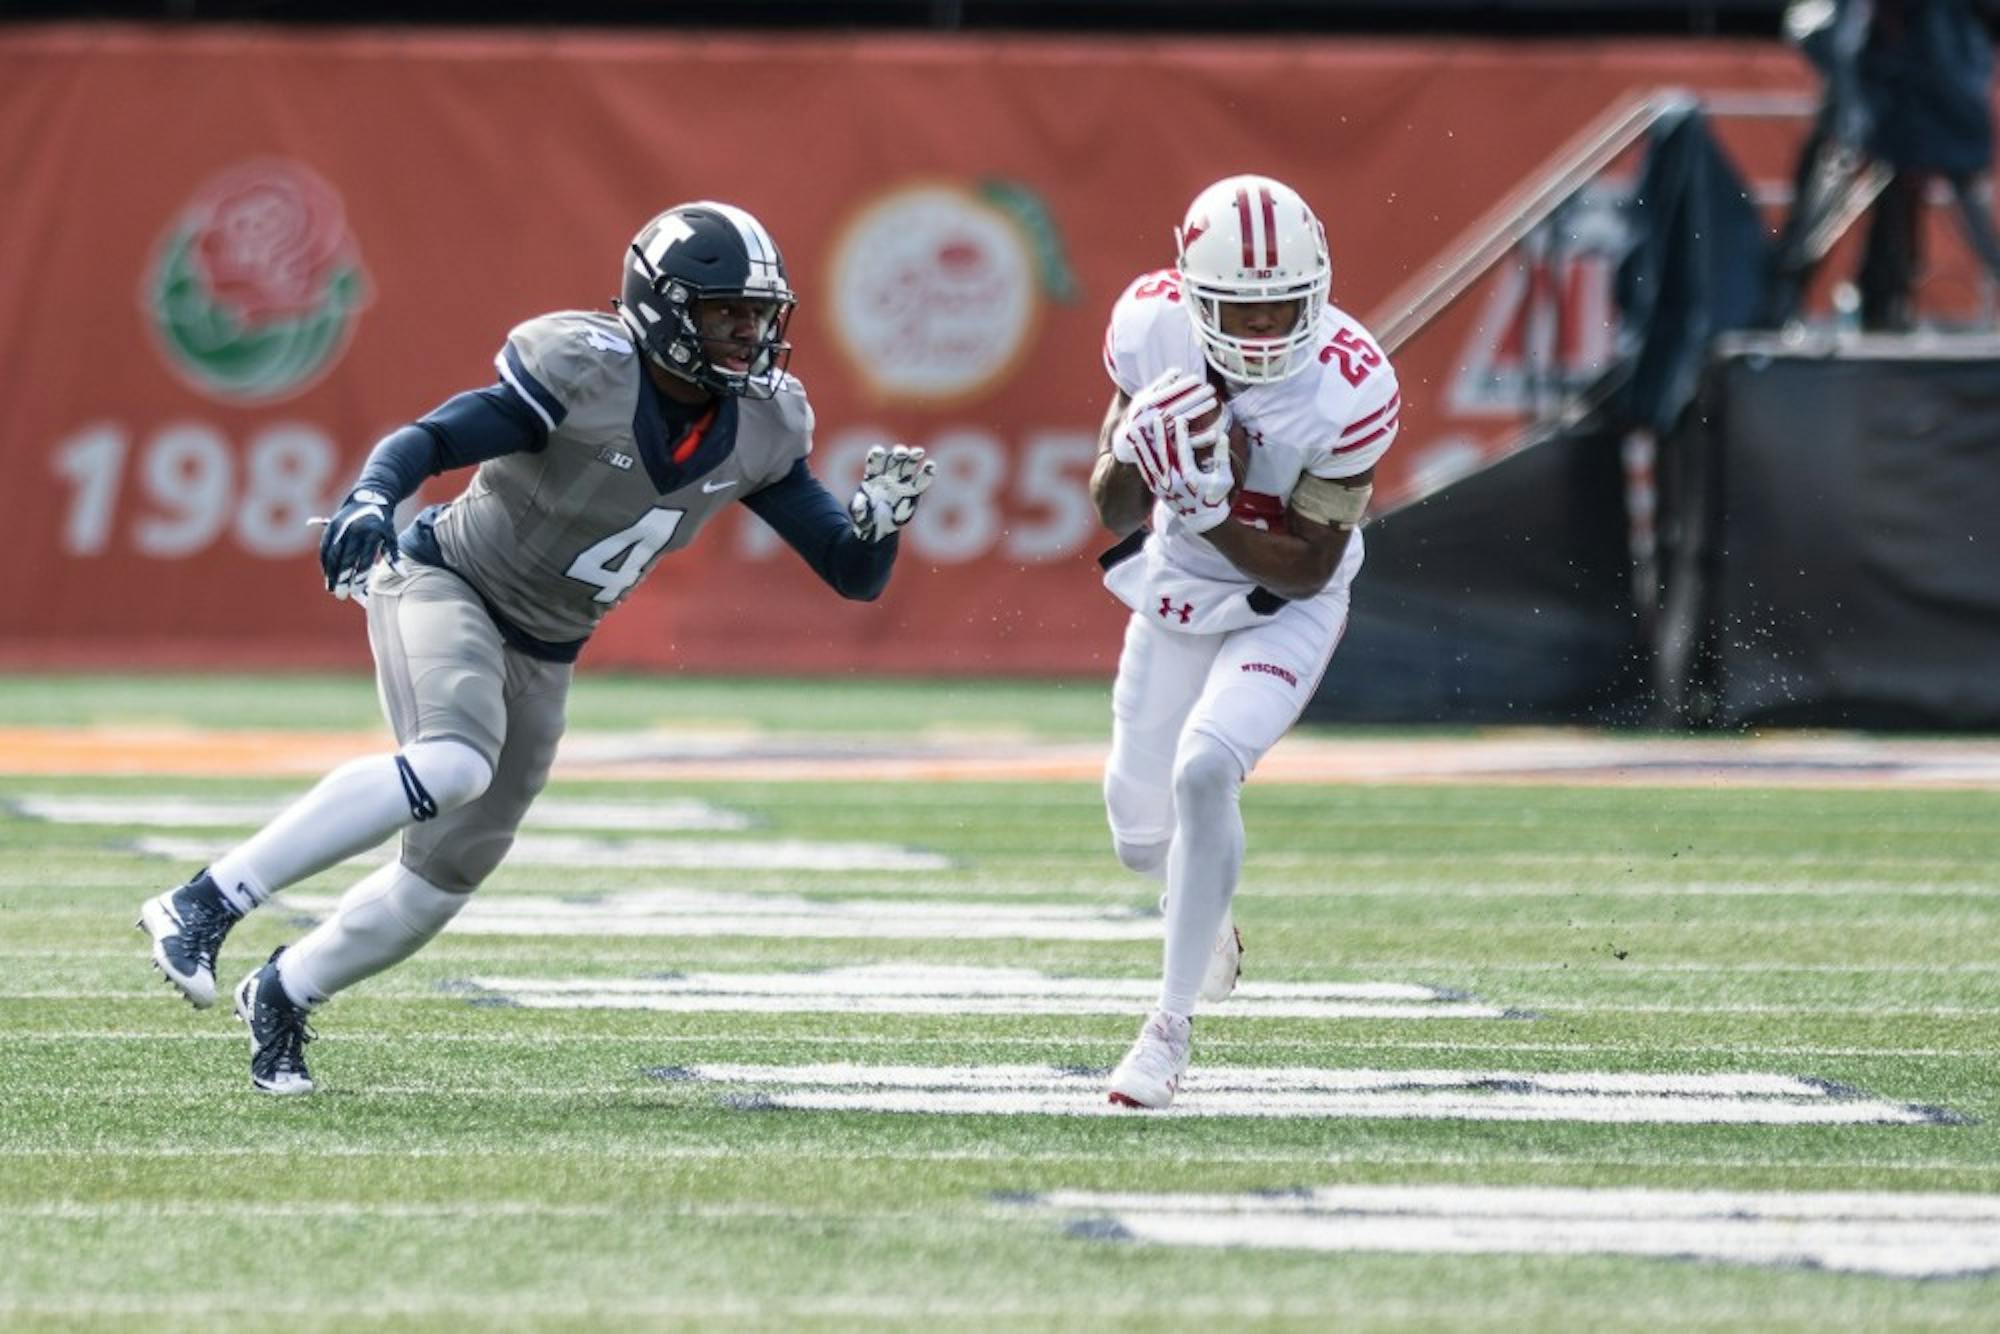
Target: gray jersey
x: 556, y: 538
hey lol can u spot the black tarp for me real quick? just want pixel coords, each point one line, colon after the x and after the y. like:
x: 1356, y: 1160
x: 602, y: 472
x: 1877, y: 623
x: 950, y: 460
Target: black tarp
x: 1506, y: 597
x: 1850, y: 572
x: 1697, y: 267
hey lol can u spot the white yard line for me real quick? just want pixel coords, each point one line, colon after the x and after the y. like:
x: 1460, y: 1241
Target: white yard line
x: 1438, y: 967
x: 949, y: 989
x: 578, y: 852
x: 1634, y: 1110
x: 1083, y: 1095
x: 689, y: 912
x: 1904, y: 1236
x: 1289, y: 1079
x: 1737, y: 1099
x: 996, y: 1153
x: 1034, y: 929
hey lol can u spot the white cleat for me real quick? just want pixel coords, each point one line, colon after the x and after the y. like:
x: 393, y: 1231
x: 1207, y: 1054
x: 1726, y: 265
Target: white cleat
x: 1225, y: 964
x: 1150, y: 1074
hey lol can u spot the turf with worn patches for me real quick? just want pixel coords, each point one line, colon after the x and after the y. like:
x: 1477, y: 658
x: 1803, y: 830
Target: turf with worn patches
x: 469, y: 1165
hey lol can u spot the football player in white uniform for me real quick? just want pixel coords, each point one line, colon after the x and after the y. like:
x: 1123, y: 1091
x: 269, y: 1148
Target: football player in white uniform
x: 1235, y: 463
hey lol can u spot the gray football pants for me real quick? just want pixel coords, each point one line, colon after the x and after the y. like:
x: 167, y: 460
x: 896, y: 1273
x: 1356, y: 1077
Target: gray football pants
x: 443, y: 671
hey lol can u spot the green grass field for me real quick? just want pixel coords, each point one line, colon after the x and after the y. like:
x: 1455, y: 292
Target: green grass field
x: 475, y: 1161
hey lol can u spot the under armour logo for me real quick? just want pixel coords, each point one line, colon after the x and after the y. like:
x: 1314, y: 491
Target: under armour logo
x: 1167, y: 608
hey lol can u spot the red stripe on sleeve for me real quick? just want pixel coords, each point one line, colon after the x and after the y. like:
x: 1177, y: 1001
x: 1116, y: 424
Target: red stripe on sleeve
x: 1386, y: 428
x: 1390, y: 406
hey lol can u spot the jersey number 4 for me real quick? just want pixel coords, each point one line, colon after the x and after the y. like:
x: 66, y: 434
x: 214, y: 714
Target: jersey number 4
x: 615, y: 564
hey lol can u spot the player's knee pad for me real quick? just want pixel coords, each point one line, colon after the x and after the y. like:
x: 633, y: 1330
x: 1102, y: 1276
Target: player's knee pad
x: 442, y: 775
x: 1145, y: 858
x: 380, y: 922
x: 1206, y: 773
x: 396, y: 905
x: 458, y: 864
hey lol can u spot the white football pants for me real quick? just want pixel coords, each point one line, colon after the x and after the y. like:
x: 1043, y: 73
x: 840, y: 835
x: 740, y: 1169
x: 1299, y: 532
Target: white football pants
x: 1191, y: 717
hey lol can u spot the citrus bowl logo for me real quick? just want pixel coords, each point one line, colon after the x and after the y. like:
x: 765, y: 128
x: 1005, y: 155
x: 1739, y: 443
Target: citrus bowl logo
x: 934, y: 292
x: 255, y: 286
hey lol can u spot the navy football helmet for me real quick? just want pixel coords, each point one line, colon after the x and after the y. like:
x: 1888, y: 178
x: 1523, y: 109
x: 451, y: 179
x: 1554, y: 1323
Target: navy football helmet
x: 708, y: 252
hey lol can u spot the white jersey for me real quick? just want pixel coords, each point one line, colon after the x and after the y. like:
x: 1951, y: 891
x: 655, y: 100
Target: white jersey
x: 1333, y: 419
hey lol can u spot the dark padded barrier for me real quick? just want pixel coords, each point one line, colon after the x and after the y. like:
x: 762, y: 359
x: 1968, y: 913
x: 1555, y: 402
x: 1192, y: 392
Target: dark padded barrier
x: 1505, y: 597
x: 1840, y: 556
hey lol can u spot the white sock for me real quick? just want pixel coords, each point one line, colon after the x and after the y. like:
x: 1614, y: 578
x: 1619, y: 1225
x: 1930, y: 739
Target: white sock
x: 383, y: 920
x: 349, y: 811
x: 1202, y: 867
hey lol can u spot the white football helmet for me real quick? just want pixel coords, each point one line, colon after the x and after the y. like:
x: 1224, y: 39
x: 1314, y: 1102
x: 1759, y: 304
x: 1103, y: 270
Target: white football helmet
x: 1248, y: 240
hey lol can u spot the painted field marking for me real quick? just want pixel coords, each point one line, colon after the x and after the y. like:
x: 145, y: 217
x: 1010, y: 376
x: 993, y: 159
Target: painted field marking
x: 942, y: 989
x: 1900, y: 1235
x: 692, y: 912
x: 1013, y: 1090
x: 186, y: 812
x: 576, y: 852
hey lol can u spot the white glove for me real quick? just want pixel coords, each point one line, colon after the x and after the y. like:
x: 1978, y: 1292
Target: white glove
x: 1141, y: 437
x: 1213, y: 480
x: 1198, y: 495
x: 892, y: 480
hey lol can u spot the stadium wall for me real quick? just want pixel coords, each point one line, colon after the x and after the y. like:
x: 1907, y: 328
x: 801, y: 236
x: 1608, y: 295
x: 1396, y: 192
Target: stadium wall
x: 239, y: 255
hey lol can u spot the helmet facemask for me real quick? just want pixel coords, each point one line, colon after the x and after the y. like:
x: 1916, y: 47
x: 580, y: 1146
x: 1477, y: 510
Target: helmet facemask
x: 1251, y: 241
x: 668, y: 324
x: 684, y: 263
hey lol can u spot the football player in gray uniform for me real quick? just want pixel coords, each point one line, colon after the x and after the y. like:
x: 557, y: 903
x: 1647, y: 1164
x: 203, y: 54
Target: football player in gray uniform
x: 608, y: 441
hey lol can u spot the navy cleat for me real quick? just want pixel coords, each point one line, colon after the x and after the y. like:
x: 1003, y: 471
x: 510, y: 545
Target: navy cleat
x: 187, y: 926
x: 278, y: 1032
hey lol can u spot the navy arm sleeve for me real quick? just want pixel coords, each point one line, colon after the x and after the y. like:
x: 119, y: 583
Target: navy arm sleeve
x: 463, y: 430
x: 816, y: 526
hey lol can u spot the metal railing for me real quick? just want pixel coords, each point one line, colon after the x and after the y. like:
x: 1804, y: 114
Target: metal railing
x: 1407, y: 310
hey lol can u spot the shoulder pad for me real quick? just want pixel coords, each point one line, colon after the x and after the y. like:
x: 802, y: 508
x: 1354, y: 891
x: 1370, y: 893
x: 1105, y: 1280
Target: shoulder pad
x: 1150, y: 333
x: 1358, y: 399
x: 772, y: 434
x: 795, y: 412
x: 558, y: 362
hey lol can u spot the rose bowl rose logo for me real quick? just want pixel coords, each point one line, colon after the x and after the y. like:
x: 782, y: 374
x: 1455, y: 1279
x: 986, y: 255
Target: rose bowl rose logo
x: 255, y: 286
x: 936, y: 287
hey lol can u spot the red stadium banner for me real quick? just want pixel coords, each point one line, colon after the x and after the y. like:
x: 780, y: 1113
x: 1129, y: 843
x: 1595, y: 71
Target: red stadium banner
x: 234, y: 258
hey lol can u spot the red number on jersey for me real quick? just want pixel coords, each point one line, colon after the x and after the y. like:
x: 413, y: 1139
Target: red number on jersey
x: 1357, y: 355
x: 1166, y: 283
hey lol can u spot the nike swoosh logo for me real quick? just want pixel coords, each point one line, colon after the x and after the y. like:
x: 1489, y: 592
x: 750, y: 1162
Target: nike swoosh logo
x: 710, y: 488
